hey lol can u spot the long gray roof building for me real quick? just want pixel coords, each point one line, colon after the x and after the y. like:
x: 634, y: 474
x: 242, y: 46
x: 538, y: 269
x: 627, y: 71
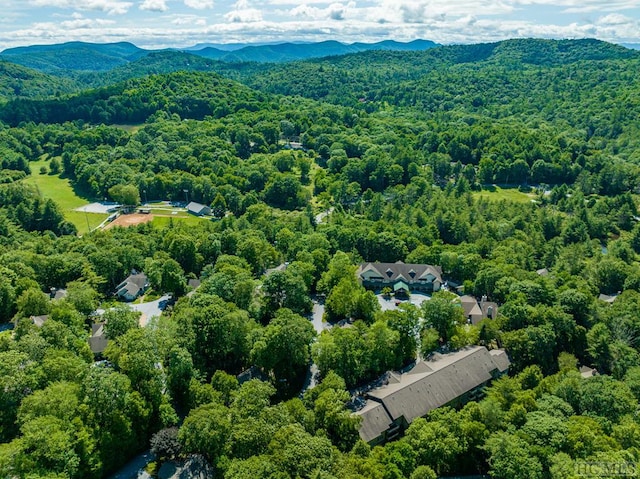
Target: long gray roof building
x: 444, y: 379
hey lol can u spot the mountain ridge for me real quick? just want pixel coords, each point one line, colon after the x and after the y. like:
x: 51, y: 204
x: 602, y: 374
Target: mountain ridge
x: 83, y: 56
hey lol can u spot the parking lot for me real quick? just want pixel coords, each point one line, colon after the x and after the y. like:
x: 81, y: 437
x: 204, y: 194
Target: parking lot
x: 393, y: 303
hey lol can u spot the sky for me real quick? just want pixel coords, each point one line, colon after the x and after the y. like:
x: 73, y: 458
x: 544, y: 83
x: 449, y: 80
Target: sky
x: 182, y: 23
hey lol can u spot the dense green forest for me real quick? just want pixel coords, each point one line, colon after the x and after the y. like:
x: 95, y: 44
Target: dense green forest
x: 513, y: 166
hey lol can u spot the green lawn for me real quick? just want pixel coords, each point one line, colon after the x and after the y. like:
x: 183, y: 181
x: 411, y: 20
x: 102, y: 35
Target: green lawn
x: 495, y: 193
x: 61, y: 191
x: 163, y: 221
x: 84, y: 220
x: 130, y: 128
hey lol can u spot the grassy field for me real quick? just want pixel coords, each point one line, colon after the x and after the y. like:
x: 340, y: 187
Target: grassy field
x: 84, y: 221
x: 163, y: 221
x: 495, y: 193
x: 130, y: 128
x: 61, y: 191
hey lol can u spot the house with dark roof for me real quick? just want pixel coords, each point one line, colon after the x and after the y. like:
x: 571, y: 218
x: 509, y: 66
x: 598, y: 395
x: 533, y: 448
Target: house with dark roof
x: 198, y: 209
x: 444, y: 380
x: 476, y: 311
x: 400, y: 277
x: 132, y: 287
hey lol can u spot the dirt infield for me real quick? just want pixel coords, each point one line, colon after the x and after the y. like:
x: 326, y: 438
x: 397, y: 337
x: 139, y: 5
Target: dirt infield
x: 129, y: 220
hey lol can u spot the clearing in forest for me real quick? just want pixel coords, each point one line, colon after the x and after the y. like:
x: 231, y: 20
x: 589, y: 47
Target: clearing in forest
x: 129, y: 220
x: 61, y: 191
x: 496, y: 193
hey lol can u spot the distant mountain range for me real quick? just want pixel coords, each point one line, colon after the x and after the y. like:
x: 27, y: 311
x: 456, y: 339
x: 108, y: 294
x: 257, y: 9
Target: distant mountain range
x: 82, y: 56
x: 285, y: 52
x: 59, y: 70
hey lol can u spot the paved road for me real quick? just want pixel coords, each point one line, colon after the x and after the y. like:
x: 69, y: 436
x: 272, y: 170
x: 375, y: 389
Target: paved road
x: 150, y: 309
x: 390, y: 304
x: 316, y: 319
x: 134, y: 469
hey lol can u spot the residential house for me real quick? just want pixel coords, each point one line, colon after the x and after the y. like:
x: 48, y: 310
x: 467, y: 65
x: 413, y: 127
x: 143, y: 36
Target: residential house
x: 39, y: 320
x: 253, y: 372
x: 542, y: 272
x: 98, y: 340
x: 132, y: 287
x: 445, y: 379
x: 608, y: 298
x: 476, y: 311
x: 281, y: 267
x: 58, y: 293
x: 586, y: 372
x: 198, y: 209
x: 400, y: 277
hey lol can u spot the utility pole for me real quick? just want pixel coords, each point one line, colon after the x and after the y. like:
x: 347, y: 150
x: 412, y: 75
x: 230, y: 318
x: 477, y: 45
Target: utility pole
x: 186, y: 195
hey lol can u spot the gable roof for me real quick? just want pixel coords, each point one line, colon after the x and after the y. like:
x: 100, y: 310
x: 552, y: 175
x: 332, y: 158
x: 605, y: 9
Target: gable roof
x: 98, y: 339
x: 608, y: 298
x: 58, y: 293
x: 139, y: 279
x: 375, y: 420
x: 470, y: 306
x: 489, y: 309
x: 133, y: 285
x: 39, y: 320
x: 407, y: 272
x: 429, y: 385
x: 197, y: 208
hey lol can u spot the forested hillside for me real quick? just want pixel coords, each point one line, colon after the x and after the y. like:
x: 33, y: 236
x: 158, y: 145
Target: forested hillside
x: 74, y: 56
x: 17, y: 81
x: 512, y: 166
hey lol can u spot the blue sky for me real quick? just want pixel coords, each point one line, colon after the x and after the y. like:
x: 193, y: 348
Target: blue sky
x: 182, y: 23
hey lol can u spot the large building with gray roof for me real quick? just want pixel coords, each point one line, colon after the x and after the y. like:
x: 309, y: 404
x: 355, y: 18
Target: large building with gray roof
x: 444, y: 379
x: 400, y: 276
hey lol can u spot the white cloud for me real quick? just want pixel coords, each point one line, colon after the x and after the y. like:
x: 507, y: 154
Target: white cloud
x: 253, y: 21
x: 154, y: 5
x: 199, y: 4
x: 335, y: 11
x: 242, y: 5
x: 243, y: 12
x: 188, y: 20
x: 112, y: 7
x: 80, y: 23
x: 299, y: 2
x: 615, y: 19
x: 581, y: 6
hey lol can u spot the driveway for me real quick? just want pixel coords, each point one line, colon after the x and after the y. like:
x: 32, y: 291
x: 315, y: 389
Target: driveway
x: 391, y: 304
x: 134, y: 469
x: 151, y: 309
x: 316, y: 317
